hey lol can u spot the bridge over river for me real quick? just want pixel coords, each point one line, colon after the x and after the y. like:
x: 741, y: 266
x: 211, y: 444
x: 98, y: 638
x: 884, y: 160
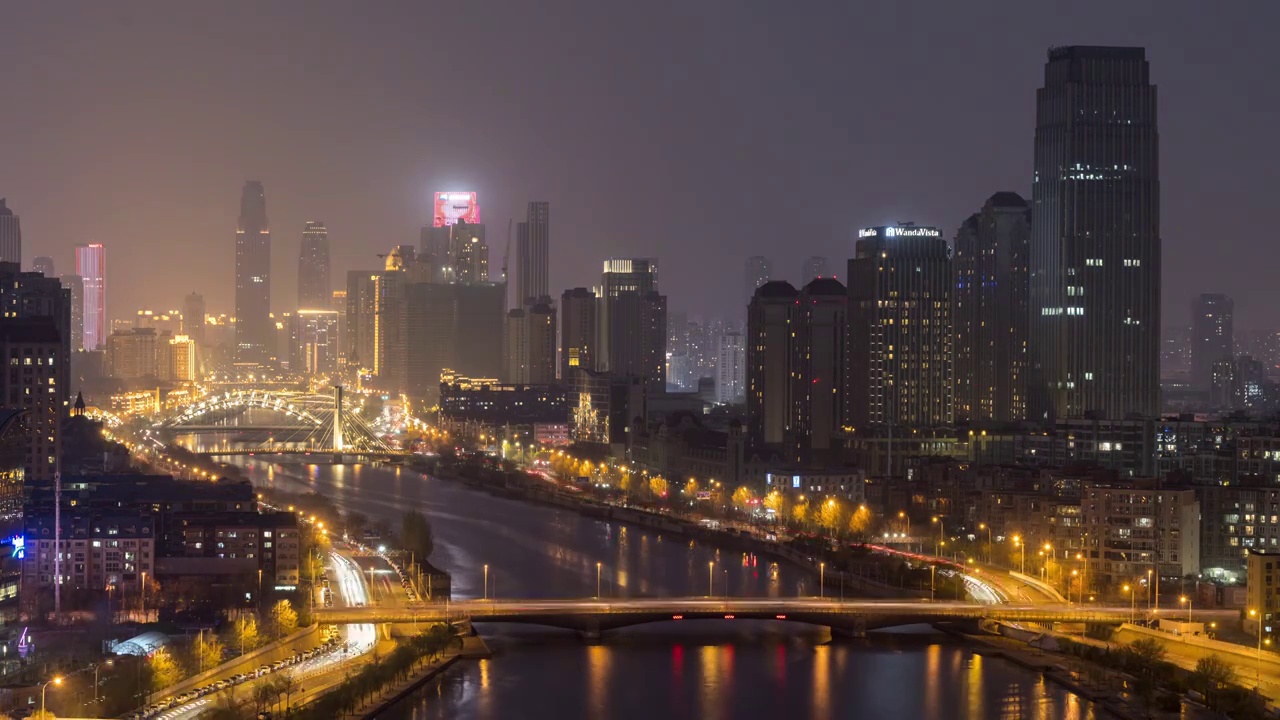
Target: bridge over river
x: 594, y: 616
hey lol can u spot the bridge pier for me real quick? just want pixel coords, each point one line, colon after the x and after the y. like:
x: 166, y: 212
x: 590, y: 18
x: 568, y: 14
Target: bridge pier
x: 854, y: 627
x: 590, y: 631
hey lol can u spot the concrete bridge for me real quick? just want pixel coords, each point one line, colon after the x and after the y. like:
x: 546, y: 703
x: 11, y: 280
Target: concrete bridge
x: 848, y: 617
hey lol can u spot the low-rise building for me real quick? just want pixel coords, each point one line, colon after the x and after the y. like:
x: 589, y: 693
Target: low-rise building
x: 1263, y: 603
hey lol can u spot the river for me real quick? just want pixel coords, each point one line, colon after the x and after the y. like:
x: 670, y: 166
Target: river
x: 711, y: 671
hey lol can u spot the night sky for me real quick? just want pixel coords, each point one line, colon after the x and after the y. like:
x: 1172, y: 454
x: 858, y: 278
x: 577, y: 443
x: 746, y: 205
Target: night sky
x: 699, y: 132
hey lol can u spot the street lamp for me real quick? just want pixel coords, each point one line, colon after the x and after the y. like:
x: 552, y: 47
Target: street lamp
x: 1074, y: 574
x: 57, y: 680
x: 822, y: 576
x: 1017, y: 540
x: 597, y: 580
x: 941, y: 525
x: 984, y: 526
x: 1133, y: 599
x: 1186, y: 600
x: 109, y: 663
x: 486, y: 581
x: 1257, y: 683
x: 710, y: 578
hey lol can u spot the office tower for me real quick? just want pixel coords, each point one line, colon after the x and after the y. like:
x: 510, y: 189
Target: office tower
x: 338, y: 304
x: 899, y: 364
x: 480, y: 308
x: 390, y: 338
x: 1238, y: 384
x: 533, y: 252
x: 254, y: 328
x: 815, y: 266
x: 43, y: 264
x: 193, y: 317
x: 633, y: 321
x: 175, y: 359
x: 35, y: 351
x: 465, y: 322
x: 758, y: 272
x: 10, y: 235
x: 577, y: 331
x: 74, y: 285
x: 990, y: 311
x: 469, y: 252
x: 1212, y: 336
x: 818, y: 372
x: 361, y: 304
x: 731, y: 369
x: 530, y: 345
x: 1175, y: 353
x: 1095, y: 237
x: 515, y: 347
x: 91, y: 266
x: 131, y: 354
x: 770, y: 342
x: 314, y: 292
x: 315, y: 342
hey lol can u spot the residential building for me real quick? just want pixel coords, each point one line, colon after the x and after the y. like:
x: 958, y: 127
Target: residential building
x: 1212, y: 336
x: 315, y: 342
x: 759, y: 270
x: 193, y: 318
x: 632, y: 318
x: 42, y: 264
x: 1135, y: 527
x: 132, y: 354
x: 770, y: 346
x: 815, y: 266
x: 731, y: 369
x: 10, y: 235
x: 35, y: 351
x: 578, y: 347
x: 533, y: 253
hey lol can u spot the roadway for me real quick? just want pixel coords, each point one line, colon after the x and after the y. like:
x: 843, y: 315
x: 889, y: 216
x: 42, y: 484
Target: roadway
x: 360, y: 638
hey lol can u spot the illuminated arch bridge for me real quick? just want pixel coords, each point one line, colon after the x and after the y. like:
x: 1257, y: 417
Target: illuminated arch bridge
x: 307, y: 421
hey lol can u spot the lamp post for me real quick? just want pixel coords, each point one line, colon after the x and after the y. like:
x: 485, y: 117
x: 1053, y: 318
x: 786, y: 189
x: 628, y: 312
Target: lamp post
x: 1017, y: 540
x: 822, y: 576
x: 1188, y: 601
x: 1257, y: 668
x: 933, y: 574
x: 710, y: 578
x: 984, y: 526
x: 486, y: 581
x: 597, y: 580
x: 941, y: 525
x: 56, y: 681
x: 1148, y: 592
x: 96, y: 666
x: 1133, y: 599
x: 1074, y: 574
x: 902, y: 515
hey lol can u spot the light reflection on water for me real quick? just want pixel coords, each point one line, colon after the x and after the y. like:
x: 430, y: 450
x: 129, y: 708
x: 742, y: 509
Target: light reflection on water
x: 754, y: 670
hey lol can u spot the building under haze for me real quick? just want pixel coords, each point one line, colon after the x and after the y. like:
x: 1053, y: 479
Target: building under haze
x: 1212, y: 336
x: 91, y: 266
x: 815, y: 267
x: 758, y: 272
x: 900, y: 338
x: 75, y: 286
x: 533, y: 254
x: 577, y: 331
x: 43, y: 264
x: 30, y: 295
x: 731, y: 369
x: 990, y: 311
x: 36, y: 345
x: 770, y: 342
x: 632, y: 322
x: 193, y: 317
x: 254, y: 328
x: 530, y: 345
x: 1095, y: 242
x: 315, y: 342
x: 314, y: 291
x: 10, y: 235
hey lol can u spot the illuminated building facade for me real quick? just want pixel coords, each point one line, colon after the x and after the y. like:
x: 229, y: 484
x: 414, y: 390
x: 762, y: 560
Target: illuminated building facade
x: 254, y: 328
x: 35, y: 352
x: 577, y: 330
x: 314, y: 291
x: 91, y: 266
x: 1095, y: 243
x: 900, y: 335
x: 632, y: 317
x: 315, y: 342
x: 991, y: 311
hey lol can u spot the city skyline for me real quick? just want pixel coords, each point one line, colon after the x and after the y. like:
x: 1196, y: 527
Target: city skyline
x: 986, y: 148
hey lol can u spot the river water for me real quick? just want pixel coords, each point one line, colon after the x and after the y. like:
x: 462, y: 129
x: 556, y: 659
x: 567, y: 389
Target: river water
x: 708, y: 670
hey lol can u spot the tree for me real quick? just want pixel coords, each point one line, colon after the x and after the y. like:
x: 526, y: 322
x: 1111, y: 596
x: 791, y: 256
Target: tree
x: 355, y: 523
x: 264, y: 696
x: 1145, y: 653
x: 206, y: 652
x: 777, y: 502
x: 244, y: 633
x: 415, y: 535
x: 42, y: 715
x: 742, y: 498
x: 1211, y: 674
x: 286, y: 685
x: 800, y: 513
x: 658, y: 486
x: 284, y: 619
x: 162, y: 669
x: 691, y: 489
x: 829, y: 515
x: 860, y: 520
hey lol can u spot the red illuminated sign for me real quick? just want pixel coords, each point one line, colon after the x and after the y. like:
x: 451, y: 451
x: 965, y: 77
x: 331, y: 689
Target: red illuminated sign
x: 454, y: 206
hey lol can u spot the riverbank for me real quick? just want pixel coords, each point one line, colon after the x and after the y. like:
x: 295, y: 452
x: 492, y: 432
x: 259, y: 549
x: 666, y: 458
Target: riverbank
x: 402, y: 690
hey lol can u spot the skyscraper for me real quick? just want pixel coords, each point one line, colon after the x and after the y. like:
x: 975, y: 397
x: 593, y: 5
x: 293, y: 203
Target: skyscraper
x: 1212, y: 336
x: 10, y: 235
x: 43, y: 264
x: 815, y: 266
x: 75, y: 286
x: 533, y: 248
x: 530, y: 345
x: 193, y: 317
x: 1095, y: 242
x: 91, y: 266
x: 990, y: 311
x: 255, y: 335
x: 469, y: 253
x: 314, y: 292
x: 315, y: 342
x: 770, y: 341
x: 577, y: 331
x: 633, y: 321
x: 900, y: 328
x: 758, y: 272
x: 731, y: 369
x: 818, y: 372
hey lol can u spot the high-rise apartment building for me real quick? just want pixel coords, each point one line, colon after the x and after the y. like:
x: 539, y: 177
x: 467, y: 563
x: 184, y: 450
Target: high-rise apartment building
x: 361, y: 304
x: 900, y: 337
x: 633, y: 321
x: 1175, y: 353
x: 1095, y: 243
x: 758, y: 272
x: 91, y: 266
x: 530, y: 345
x: 10, y: 235
x: 314, y: 291
x: 132, y: 354
x: 34, y: 350
x: 193, y: 317
x: 533, y: 253
x: 577, y: 331
x: 815, y: 266
x: 176, y: 359
x: 74, y: 285
x: 43, y: 264
x: 731, y: 369
x: 818, y: 357
x: 1212, y: 336
x: 26, y: 295
x: 254, y: 328
x: 991, y: 312
x: 469, y: 253
x: 770, y: 346
x: 315, y: 342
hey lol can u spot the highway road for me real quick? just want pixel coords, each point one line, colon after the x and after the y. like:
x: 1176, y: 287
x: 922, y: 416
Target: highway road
x: 360, y: 638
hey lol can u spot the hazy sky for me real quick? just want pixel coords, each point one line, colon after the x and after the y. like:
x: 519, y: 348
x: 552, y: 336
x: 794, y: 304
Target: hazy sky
x: 699, y: 131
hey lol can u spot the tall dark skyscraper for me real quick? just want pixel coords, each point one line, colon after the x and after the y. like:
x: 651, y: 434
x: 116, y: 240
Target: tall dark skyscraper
x: 758, y: 272
x: 990, y: 315
x: 314, y: 291
x: 771, y: 342
x: 193, y: 317
x: 818, y: 371
x: 10, y: 235
x: 577, y: 331
x: 1095, y: 243
x: 900, y: 328
x: 1212, y: 336
x: 633, y: 321
x: 43, y: 264
x: 255, y: 333
x: 533, y: 253
x: 75, y: 286
x: 91, y: 266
